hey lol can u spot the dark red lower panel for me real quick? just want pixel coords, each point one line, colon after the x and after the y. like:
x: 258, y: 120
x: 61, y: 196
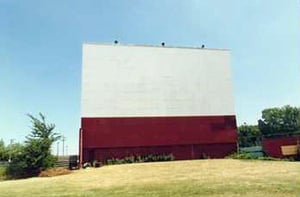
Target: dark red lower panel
x: 180, y: 152
x: 272, y: 146
x: 157, y: 131
x: 186, y: 137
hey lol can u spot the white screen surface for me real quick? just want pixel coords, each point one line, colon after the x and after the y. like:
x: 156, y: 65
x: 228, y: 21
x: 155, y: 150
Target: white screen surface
x: 133, y: 81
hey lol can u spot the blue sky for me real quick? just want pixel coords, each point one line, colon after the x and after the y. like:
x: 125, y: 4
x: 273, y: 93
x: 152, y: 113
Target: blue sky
x: 41, y: 43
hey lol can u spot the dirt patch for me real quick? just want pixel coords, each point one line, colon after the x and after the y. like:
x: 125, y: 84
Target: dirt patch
x: 54, y: 172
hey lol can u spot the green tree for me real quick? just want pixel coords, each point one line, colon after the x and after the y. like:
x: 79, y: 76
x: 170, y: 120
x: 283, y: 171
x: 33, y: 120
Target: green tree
x: 3, y: 151
x: 249, y: 135
x: 284, y: 120
x: 9, y: 151
x: 40, y: 130
x: 13, y: 149
x: 35, y: 156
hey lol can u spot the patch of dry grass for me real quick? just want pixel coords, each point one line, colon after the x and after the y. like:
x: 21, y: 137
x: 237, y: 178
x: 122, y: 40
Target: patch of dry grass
x: 223, y: 177
x: 54, y: 172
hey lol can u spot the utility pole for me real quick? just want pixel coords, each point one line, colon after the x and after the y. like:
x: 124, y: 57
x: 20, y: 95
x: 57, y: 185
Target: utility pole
x: 57, y: 148
x: 67, y: 150
x: 10, y: 149
x: 63, y: 145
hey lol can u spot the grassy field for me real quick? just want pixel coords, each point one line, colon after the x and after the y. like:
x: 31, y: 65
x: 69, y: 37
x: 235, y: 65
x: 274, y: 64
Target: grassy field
x: 223, y: 177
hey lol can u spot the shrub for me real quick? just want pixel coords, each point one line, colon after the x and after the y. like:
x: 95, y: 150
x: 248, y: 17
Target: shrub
x: 2, y: 172
x: 129, y: 159
x: 244, y: 155
x: 139, y: 159
x: 17, y: 168
x: 271, y: 159
x: 31, y: 160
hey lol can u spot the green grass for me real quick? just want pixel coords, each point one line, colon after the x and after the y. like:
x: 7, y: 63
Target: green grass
x: 219, y: 178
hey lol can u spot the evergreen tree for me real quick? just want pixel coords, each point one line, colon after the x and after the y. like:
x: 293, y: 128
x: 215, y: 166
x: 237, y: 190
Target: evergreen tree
x: 35, y: 156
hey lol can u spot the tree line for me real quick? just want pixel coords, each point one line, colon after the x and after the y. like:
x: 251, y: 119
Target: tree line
x: 274, y: 122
